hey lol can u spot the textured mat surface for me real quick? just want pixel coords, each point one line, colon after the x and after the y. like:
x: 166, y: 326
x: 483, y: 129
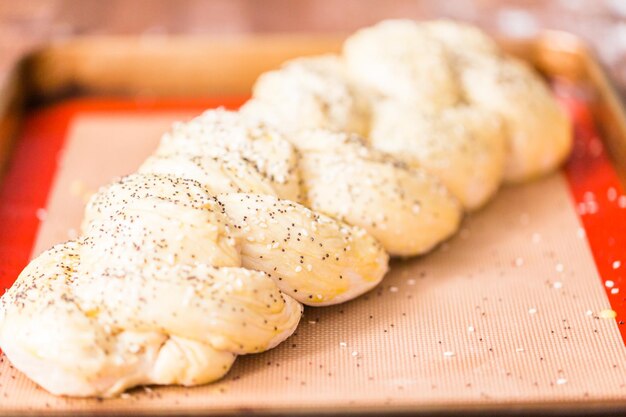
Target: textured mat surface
x: 507, y: 312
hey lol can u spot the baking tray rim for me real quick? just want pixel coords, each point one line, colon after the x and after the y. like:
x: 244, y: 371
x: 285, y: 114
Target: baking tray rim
x: 27, y: 85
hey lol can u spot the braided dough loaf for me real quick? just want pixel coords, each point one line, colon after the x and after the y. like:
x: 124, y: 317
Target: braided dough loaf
x: 397, y: 59
x: 463, y: 146
x: 312, y: 93
x: 239, y: 218
x: 439, y: 96
x: 408, y: 210
x: 536, y: 129
x: 183, y: 266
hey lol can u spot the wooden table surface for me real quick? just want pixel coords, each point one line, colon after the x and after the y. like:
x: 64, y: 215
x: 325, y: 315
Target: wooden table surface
x: 25, y: 23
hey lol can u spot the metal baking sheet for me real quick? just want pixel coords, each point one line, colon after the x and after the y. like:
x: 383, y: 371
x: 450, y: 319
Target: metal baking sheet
x: 520, y: 311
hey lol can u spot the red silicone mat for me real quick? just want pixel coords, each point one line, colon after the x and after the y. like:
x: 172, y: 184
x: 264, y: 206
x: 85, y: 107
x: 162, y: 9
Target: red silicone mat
x: 515, y: 310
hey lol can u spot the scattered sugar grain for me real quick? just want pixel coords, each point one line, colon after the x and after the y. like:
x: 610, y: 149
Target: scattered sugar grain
x: 607, y: 313
x: 41, y: 214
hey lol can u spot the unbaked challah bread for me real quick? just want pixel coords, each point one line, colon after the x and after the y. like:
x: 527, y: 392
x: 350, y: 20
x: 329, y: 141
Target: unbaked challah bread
x: 408, y: 210
x: 224, y: 172
x: 426, y: 86
x: 83, y: 330
x: 262, y: 232
x: 239, y: 218
x: 536, y: 129
x: 463, y: 146
x: 312, y: 93
x: 215, y: 133
x: 180, y: 267
x: 156, y: 291
x: 397, y: 59
x: 315, y: 259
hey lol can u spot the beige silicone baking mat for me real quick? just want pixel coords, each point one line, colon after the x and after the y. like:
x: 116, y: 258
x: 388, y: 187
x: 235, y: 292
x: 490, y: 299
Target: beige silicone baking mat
x: 504, y: 314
